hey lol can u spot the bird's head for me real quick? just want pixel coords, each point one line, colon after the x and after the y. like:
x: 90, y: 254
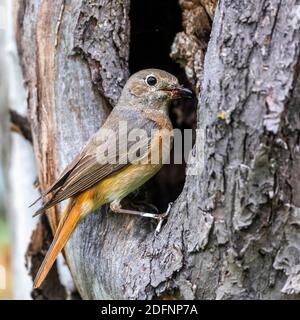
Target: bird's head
x: 153, y: 88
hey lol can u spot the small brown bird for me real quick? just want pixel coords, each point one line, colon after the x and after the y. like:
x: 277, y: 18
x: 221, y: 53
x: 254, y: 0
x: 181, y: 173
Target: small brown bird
x: 91, y: 181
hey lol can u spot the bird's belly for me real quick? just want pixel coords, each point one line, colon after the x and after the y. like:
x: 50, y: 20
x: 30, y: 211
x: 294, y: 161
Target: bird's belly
x: 128, y: 179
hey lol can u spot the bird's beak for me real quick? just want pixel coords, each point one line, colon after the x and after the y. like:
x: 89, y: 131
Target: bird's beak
x: 179, y: 92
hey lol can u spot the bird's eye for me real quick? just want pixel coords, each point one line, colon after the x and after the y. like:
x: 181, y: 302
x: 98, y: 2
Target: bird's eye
x: 151, y: 80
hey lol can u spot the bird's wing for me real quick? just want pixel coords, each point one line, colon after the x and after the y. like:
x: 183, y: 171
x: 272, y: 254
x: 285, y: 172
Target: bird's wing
x: 88, y: 168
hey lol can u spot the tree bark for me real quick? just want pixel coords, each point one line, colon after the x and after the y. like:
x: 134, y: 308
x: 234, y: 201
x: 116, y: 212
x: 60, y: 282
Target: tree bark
x: 233, y: 231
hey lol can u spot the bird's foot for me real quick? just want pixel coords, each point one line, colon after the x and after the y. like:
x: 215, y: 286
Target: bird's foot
x: 162, y: 217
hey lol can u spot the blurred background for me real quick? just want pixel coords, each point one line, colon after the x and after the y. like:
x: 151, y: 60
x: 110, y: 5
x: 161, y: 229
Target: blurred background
x: 5, y: 240
x: 5, y: 249
x: 17, y: 165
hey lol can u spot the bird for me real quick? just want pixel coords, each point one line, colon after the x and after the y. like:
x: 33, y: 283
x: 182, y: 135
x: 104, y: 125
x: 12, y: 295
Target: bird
x: 95, y: 177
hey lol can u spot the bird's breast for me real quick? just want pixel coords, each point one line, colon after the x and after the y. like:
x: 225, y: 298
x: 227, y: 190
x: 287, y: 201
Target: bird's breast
x: 118, y: 185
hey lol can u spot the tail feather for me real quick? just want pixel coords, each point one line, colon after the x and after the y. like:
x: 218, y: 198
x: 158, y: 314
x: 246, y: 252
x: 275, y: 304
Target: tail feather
x: 68, y: 222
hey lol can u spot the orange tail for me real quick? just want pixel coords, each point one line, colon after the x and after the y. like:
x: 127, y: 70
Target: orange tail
x: 65, y: 228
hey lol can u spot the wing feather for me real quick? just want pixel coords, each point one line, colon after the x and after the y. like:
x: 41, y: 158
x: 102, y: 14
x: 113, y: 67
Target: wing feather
x: 87, y: 169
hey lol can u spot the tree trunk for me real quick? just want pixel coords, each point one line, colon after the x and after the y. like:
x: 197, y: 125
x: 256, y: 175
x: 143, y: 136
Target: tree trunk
x: 233, y: 231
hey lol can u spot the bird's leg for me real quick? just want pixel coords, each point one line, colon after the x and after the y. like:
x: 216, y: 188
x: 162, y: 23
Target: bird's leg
x: 137, y: 203
x: 115, y: 206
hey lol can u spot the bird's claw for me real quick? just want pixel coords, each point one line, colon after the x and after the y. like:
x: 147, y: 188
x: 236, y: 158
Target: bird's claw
x: 163, y: 217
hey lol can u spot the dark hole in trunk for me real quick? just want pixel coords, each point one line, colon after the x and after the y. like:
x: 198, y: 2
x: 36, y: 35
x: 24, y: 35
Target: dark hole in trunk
x: 154, y: 24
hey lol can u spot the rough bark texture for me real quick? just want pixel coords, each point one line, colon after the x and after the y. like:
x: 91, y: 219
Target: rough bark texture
x: 190, y: 45
x: 246, y: 152
x: 233, y: 232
